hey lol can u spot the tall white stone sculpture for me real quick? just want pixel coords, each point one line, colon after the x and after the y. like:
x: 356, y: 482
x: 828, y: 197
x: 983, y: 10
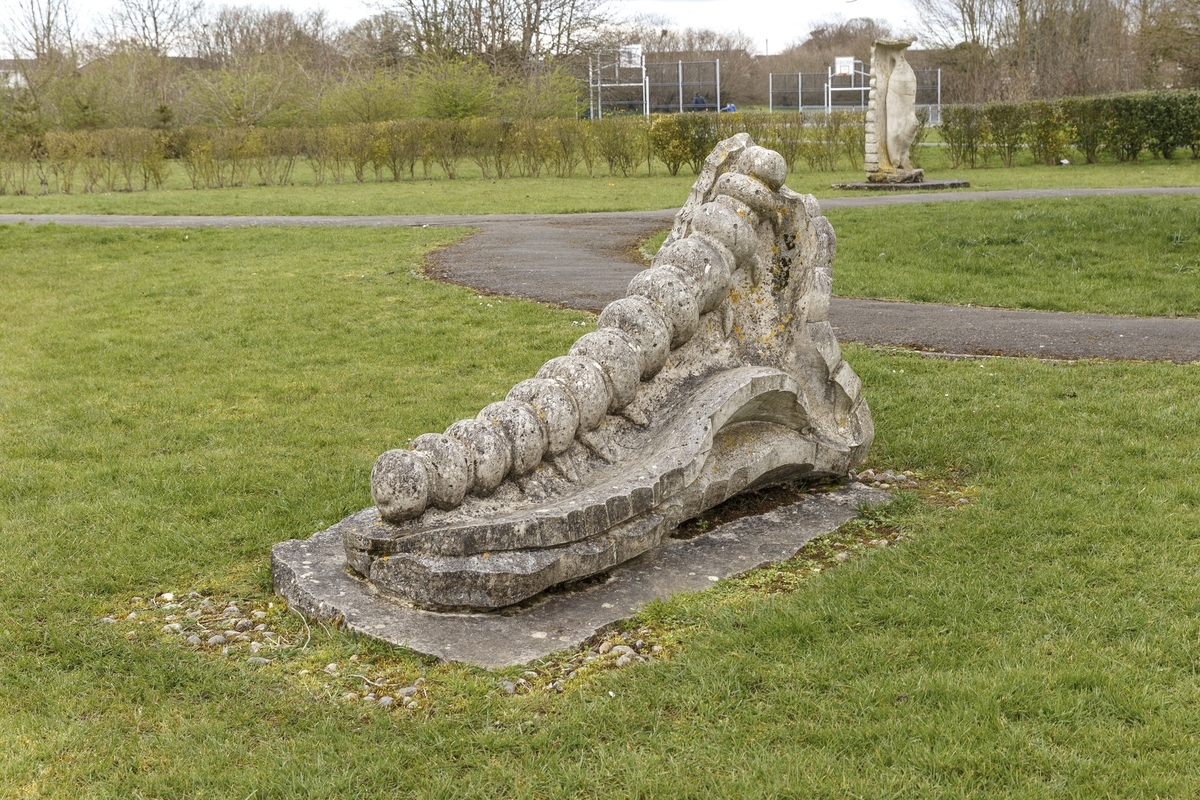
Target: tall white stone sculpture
x: 891, y: 114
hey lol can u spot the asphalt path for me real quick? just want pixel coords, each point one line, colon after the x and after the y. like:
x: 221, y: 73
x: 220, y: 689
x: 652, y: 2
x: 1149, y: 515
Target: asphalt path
x: 586, y: 260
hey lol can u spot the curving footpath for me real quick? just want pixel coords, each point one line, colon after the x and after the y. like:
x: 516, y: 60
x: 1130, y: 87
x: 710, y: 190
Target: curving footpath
x: 586, y: 260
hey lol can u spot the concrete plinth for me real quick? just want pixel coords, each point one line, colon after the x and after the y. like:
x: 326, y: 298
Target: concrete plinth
x: 923, y: 186
x: 311, y: 574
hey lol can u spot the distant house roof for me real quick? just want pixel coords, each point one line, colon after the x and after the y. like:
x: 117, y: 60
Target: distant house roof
x: 11, y: 70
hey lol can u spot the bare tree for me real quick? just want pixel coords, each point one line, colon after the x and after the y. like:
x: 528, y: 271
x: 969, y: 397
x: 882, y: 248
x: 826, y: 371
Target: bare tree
x: 262, y: 67
x: 1170, y: 41
x: 159, y: 26
x: 38, y: 29
x: 830, y: 39
x: 379, y: 41
x: 241, y: 32
x: 948, y: 23
x: 39, y: 35
x: 969, y: 32
x: 503, y: 32
x: 1020, y: 49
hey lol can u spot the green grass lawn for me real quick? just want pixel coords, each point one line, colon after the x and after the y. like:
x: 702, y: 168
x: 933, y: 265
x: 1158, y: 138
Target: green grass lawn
x: 472, y: 194
x: 175, y: 402
x: 1128, y: 255
x: 1138, y: 256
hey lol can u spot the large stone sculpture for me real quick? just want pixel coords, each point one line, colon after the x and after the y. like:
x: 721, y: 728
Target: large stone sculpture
x: 891, y: 114
x: 718, y: 373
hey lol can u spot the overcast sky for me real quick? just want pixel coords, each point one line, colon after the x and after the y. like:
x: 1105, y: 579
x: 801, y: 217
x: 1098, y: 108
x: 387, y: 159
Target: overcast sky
x: 771, y: 24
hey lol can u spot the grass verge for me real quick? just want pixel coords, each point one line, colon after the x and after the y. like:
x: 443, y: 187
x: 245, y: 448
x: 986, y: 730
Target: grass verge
x: 1138, y: 256
x: 174, y: 402
x: 473, y: 194
x: 1129, y: 255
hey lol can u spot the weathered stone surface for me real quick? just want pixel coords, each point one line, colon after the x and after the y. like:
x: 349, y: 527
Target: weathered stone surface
x: 489, y: 450
x: 673, y: 294
x: 763, y: 164
x: 555, y: 407
x: 706, y: 262
x: 635, y: 316
x: 718, y: 373
x: 310, y: 574
x: 618, y: 355
x: 400, y: 484
x: 585, y: 380
x: 750, y: 191
x: 450, y: 468
x: 670, y: 461
x: 508, y: 577
x: 524, y: 430
x: 728, y: 220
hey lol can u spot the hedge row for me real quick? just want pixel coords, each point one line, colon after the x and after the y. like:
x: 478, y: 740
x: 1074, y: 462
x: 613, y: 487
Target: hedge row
x: 133, y: 159
x: 1124, y: 125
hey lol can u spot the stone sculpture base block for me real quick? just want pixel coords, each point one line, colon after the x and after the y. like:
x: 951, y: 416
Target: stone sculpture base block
x: 896, y: 176
x: 923, y: 186
x: 312, y: 576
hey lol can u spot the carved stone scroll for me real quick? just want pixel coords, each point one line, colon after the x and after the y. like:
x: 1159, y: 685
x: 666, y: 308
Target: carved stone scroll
x: 718, y: 373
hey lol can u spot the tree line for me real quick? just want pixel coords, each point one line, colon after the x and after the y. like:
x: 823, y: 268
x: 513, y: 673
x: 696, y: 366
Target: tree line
x: 164, y: 63
x: 169, y: 64
x: 1016, y: 50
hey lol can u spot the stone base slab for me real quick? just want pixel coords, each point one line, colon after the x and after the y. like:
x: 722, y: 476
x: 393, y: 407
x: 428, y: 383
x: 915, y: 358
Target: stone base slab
x: 311, y: 574
x: 923, y: 186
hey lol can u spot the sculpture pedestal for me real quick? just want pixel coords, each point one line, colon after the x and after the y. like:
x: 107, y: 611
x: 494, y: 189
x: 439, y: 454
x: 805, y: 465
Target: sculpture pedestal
x: 312, y: 575
x: 897, y: 176
x: 923, y: 186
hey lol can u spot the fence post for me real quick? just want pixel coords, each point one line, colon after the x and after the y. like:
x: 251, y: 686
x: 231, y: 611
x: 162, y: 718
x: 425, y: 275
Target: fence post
x: 770, y: 92
x: 680, y: 87
x: 718, y: 86
x: 939, y: 95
